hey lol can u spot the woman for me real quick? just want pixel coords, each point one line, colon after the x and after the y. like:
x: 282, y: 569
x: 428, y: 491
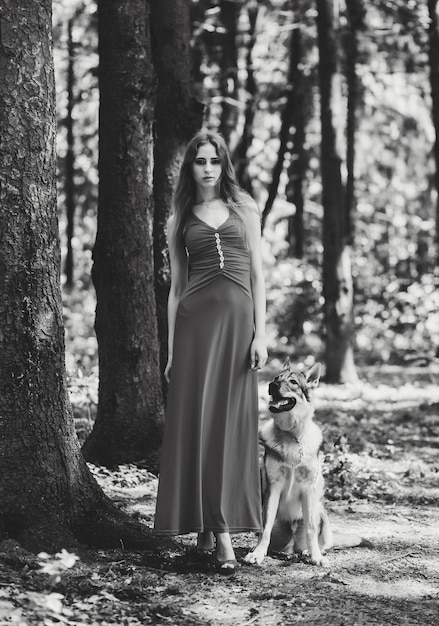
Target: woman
x: 209, y: 471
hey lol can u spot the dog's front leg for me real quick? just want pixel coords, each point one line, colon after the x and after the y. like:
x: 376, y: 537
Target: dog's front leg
x: 269, y: 515
x: 311, y: 521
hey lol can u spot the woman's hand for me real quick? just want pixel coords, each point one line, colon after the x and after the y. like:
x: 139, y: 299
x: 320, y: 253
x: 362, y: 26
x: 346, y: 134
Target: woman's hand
x: 167, y: 372
x: 258, y: 353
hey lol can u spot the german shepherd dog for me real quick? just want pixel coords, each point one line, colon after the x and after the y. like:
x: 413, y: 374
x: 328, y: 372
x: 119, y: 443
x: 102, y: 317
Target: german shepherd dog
x: 294, y: 517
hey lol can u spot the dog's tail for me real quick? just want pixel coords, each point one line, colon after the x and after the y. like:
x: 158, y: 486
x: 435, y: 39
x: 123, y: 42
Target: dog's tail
x: 349, y: 540
x: 326, y: 535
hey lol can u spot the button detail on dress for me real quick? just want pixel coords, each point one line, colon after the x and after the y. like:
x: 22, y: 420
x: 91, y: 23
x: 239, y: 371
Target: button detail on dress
x: 220, y: 252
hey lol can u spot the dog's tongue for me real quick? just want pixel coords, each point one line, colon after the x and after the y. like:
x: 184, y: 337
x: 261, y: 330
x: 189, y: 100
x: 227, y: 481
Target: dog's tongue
x: 286, y: 404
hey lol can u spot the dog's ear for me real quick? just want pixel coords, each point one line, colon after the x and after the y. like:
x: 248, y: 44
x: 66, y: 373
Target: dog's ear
x: 286, y: 365
x: 313, y: 375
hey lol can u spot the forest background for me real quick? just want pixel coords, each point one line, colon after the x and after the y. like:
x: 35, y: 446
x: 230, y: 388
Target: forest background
x: 368, y: 299
x: 330, y: 115
x: 394, y: 248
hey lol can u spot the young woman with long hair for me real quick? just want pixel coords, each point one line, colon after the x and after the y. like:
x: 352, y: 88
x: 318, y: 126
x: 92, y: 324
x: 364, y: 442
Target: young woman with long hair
x: 209, y: 470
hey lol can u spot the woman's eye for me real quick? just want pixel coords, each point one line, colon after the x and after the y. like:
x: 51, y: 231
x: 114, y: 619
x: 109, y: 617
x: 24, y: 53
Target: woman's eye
x: 215, y: 161
x: 200, y: 161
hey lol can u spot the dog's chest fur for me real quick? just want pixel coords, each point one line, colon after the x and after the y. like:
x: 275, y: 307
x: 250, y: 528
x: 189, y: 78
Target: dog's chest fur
x: 289, y: 449
x: 291, y: 465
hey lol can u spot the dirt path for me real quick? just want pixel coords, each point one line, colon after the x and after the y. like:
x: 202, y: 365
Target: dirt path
x: 391, y: 425
x: 382, y: 472
x: 396, y: 582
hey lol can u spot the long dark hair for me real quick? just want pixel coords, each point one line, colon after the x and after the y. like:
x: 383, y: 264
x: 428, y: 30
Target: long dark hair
x: 229, y: 190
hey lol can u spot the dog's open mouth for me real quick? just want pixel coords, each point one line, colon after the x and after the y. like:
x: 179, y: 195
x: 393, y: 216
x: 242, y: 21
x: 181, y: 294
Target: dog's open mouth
x: 279, y: 404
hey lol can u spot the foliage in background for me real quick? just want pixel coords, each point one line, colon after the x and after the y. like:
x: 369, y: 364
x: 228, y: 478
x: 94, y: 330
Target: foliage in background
x: 82, y: 14
x: 380, y: 441
x: 396, y: 284
x: 79, y: 302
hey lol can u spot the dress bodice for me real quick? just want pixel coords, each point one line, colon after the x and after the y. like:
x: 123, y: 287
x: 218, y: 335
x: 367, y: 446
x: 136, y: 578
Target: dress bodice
x: 216, y: 251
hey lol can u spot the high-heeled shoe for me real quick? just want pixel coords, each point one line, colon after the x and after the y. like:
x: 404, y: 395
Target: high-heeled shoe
x: 226, y: 568
x: 199, y: 555
x: 205, y: 542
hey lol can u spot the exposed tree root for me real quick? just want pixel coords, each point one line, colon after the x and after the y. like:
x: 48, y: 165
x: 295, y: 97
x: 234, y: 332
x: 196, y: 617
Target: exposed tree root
x: 93, y: 521
x: 113, y: 528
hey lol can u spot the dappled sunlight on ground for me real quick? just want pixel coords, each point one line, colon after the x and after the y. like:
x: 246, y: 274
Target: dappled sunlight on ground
x: 381, y: 469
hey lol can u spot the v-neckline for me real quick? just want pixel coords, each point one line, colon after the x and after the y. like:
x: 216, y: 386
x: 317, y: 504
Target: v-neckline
x: 209, y: 225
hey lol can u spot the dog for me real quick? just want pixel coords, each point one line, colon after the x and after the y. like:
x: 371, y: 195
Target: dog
x: 294, y: 516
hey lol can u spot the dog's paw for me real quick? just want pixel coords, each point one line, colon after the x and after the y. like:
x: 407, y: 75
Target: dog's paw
x: 320, y: 560
x: 255, y: 558
x: 316, y: 558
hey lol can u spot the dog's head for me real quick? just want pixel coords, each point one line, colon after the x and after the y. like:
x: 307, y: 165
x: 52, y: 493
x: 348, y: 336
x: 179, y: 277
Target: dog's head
x: 290, y: 392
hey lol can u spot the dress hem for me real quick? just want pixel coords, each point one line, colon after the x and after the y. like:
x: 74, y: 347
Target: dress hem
x: 237, y: 529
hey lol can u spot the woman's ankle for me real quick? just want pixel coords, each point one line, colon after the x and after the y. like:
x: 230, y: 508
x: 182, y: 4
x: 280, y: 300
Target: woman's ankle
x: 205, y: 540
x: 224, y: 548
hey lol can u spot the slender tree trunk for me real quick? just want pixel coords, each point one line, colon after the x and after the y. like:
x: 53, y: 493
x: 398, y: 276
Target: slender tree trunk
x: 240, y: 157
x: 196, y: 17
x: 178, y: 116
x: 434, y: 86
x: 70, y: 159
x: 128, y: 422
x: 296, y: 170
x: 337, y: 275
x: 355, y: 11
x: 230, y: 11
x: 48, y: 497
x: 284, y: 136
x: 206, y: 51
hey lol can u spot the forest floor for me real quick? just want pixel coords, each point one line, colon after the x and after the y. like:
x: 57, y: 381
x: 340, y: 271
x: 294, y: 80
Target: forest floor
x: 382, y: 470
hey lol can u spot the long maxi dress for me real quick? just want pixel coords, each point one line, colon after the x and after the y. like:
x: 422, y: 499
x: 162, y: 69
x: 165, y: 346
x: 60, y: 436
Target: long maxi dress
x: 209, y: 468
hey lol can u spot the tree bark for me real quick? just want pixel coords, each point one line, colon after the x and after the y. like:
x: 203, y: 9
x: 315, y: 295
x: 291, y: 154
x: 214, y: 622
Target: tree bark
x: 337, y: 275
x: 178, y: 116
x: 48, y: 497
x: 355, y: 12
x: 230, y: 11
x: 296, y: 170
x: 284, y: 136
x: 129, y: 416
x: 69, y: 183
x: 240, y: 157
x: 433, y: 53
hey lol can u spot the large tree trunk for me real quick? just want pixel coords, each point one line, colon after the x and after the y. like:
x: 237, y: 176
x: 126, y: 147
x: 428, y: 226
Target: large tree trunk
x: 434, y: 86
x: 128, y: 422
x: 178, y: 116
x: 48, y: 497
x: 337, y: 275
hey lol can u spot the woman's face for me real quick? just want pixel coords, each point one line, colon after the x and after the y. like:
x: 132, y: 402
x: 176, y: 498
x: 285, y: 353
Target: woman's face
x: 206, y: 168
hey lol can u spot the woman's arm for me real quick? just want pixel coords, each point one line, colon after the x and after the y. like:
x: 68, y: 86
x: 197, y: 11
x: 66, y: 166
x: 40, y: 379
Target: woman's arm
x: 178, y: 265
x: 258, y: 351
